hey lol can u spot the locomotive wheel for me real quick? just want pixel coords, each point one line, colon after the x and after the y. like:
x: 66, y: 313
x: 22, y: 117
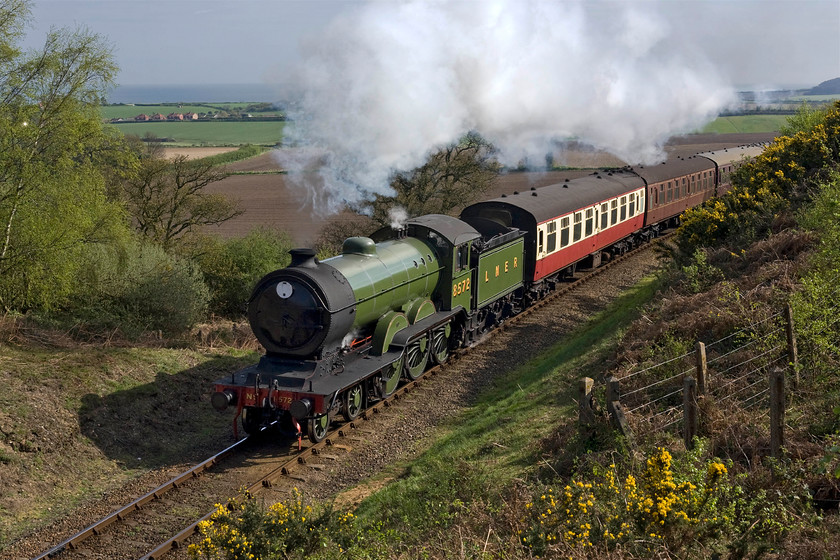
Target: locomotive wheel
x: 390, y: 378
x: 352, y: 405
x: 416, y: 357
x: 251, y: 419
x: 317, y: 427
x: 440, y: 344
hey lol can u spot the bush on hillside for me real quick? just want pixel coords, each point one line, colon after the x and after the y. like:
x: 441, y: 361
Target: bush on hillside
x: 764, y: 187
x: 134, y: 290
x: 231, y: 268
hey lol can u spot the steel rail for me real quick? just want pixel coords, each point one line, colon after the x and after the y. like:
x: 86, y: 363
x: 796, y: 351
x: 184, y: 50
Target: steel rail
x: 120, y: 514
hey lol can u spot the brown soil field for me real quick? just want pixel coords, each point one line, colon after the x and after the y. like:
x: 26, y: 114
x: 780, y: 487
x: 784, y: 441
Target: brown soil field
x: 195, y: 153
x: 270, y: 201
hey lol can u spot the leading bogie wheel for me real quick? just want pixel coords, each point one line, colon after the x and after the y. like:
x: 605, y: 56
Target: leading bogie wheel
x: 318, y: 427
x: 352, y: 403
x: 251, y: 420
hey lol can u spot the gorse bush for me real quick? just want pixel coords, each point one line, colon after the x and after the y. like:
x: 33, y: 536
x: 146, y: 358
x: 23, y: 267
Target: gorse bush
x: 766, y: 185
x: 684, y: 509
x: 248, y: 530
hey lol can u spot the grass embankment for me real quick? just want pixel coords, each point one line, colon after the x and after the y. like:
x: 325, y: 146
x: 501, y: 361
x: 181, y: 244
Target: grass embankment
x: 79, y: 420
x: 498, y: 440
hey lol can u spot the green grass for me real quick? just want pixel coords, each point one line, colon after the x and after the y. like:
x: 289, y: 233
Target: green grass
x: 746, y: 124
x: 496, y: 441
x: 215, y: 133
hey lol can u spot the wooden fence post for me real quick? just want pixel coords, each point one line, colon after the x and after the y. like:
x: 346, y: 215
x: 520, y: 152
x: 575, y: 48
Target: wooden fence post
x: 791, y: 341
x: 613, y: 390
x: 702, y: 370
x: 615, y: 410
x: 691, y: 415
x: 777, y: 412
x: 586, y: 414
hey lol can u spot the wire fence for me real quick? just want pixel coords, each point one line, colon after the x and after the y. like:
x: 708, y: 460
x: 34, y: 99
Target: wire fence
x: 733, y: 370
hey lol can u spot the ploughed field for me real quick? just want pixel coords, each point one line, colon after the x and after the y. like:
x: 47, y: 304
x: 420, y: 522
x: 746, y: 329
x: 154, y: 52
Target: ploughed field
x: 272, y: 200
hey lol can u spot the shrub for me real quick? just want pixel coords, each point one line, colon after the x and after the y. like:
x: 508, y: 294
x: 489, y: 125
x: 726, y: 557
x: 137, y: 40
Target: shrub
x: 247, y: 529
x: 232, y: 268
x: 766, y: 185
x: 137, y: 289
x: 683, y: 508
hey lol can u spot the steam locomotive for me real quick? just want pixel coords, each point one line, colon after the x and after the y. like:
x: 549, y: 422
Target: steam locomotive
x: 342, y: 332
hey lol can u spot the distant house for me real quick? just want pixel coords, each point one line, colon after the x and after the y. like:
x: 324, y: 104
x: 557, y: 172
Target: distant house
x: 157, y: 117
x: 142, y: 117
x: 191, y: 116
x: 175, y: 117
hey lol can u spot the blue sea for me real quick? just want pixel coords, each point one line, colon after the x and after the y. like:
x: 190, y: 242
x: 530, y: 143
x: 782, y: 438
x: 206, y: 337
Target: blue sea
x: 186, y: 93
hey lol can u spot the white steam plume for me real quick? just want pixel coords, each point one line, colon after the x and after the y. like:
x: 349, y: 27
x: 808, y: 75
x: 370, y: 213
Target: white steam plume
x: 388, y: 83
x: 397, y: 215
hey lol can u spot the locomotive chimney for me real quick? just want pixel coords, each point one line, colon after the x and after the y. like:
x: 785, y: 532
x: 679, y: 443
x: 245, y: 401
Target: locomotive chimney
x: 303, y: 257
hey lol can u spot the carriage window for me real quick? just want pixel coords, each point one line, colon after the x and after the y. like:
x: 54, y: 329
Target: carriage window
x: 632, y: 208
x: 564, y: 232
x: 605, y: 216
x: 623, y: 208
x: 613, y: 212
x: 661, y: 198
x: 551, y: 239
x: 685, y: 186
x: 577, y: 228
x: 589, y: 225
x: 540, y: 241
x: 670, y: 194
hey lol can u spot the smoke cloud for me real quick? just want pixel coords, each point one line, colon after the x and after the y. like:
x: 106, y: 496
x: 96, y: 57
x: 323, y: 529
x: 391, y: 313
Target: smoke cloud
x: 386, y: 84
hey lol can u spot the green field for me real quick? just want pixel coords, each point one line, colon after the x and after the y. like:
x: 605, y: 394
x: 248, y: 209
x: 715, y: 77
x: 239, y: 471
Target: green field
x: 745, y: 123
x: 816, y: 98
x: 209, y: 133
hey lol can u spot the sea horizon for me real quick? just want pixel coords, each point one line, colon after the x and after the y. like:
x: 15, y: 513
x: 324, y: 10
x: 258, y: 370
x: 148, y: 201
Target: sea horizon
x: 192, y: 93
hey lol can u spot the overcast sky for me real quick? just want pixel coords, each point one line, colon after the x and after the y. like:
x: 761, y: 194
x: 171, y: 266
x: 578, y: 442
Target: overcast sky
x: 764, y: 43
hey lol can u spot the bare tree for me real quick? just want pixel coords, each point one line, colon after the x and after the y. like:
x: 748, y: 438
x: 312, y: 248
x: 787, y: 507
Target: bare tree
x: 452, y: 176
x: 166, y: 198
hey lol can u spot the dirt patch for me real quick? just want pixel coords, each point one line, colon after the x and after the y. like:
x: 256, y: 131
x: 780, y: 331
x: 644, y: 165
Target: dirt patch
x: 196, y: 153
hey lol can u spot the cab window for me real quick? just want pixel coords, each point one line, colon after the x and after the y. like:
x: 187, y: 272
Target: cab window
x: 463, y: 257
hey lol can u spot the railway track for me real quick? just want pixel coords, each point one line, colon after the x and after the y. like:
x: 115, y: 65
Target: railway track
x: 279, y: 468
